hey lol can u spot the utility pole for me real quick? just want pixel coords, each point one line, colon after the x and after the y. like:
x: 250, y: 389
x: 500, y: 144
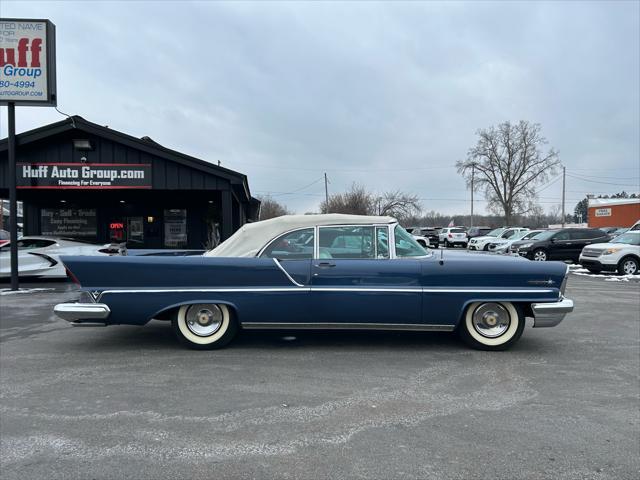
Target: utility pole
x: 473, y: 172
x: 326, y: 190
x: 564, y: 175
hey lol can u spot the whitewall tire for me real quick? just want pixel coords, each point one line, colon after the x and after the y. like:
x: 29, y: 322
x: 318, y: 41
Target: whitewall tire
x: 204, y: 325
x: 491, y: 325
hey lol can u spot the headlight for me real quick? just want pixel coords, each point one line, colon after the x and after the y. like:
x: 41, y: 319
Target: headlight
x: 609, y: 251
x: 526, y: 245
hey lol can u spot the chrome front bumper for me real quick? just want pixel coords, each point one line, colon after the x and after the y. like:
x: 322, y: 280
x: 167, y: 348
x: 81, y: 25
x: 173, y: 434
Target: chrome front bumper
x: 551, y: 314
x: 82, y: 313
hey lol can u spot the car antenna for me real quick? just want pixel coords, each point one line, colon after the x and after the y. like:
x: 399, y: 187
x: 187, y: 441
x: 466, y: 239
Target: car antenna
x: 441, y: 262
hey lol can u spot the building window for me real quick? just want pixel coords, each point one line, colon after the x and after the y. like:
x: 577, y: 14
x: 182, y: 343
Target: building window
x: 68, y: 222
x: 175, y: 228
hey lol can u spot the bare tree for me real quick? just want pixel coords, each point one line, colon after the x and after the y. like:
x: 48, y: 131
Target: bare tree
x: 508, y: 162
x: 397, y: 204
x: 356, y: 201
x: 270, y: 208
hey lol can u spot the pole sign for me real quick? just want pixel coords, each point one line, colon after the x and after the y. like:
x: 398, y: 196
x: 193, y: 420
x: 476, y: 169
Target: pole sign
x: 83, y: 176
x: 27, y: 62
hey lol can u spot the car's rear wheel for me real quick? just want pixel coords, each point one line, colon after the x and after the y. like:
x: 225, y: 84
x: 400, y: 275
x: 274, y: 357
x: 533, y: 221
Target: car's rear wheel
x: 628, y: 266
x: 491, y: 325
x: 204, y: 325
x: 540, y: 255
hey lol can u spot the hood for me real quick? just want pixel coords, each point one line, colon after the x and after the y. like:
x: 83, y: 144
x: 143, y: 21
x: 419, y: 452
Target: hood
x: 604, y: 246
x: 486, y: 237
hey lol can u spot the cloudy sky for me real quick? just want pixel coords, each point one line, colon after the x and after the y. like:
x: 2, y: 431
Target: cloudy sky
x: 388, y: 95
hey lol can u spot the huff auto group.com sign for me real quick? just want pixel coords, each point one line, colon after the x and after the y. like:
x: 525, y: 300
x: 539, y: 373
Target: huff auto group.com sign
x: 83, y: 175
x: 27, y: 62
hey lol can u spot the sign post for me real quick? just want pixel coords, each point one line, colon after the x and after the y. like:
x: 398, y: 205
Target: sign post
x: 27, y: 77
x: 13, y: 202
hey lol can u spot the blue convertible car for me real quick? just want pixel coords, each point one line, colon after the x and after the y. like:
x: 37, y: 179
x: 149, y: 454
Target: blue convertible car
x: 321, y: 272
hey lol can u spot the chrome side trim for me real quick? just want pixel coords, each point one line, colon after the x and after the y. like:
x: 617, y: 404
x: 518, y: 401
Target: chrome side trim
x: 303, y: 288
x: 72, y: 312
x: 368, y: 289
x: 551, y: 314
x: 487, y: 290
x: 275, y: 260
x: 347, y: 326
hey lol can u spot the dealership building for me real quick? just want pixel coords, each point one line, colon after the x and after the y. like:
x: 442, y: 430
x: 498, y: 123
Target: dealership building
x: 613, y: 212
x: 81, y: 180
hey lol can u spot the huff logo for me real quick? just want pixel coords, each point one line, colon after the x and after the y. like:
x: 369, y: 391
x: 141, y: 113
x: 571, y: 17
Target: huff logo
x: 8, y: 55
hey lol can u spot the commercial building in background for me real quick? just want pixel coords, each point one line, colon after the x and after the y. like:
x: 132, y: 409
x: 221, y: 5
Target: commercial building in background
x: 613, y: 212
x: 81, y: 180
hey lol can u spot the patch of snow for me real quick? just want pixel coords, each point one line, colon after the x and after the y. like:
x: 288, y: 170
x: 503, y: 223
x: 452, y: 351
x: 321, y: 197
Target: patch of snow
x: 8, y: 291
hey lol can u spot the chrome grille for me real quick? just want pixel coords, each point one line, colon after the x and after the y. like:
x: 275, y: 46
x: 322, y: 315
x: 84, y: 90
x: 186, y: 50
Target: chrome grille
x: 591, y: 252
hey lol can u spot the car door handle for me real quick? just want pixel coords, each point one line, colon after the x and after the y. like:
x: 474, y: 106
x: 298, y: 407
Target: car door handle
x: 325, y: 265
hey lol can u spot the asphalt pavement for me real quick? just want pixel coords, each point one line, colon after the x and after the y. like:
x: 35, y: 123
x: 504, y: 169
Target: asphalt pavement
x: 131, y: 403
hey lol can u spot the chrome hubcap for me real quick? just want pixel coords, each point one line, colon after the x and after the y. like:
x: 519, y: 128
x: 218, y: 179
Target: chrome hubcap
x: 629, y: 267
x: 540, y: 256
x: 491, y: 320
x: 204, y: 320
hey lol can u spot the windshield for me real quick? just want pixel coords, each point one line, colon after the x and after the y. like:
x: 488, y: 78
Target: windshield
x: 496, y: 232
x: 529, y: 235
x: 628, y: 239
x: 519, y: 235
x: 545, y: 235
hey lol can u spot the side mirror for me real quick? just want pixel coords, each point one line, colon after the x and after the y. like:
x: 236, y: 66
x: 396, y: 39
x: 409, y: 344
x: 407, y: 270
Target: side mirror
x: 553, y: 240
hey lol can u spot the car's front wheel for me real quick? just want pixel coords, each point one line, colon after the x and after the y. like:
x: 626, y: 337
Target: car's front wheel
x: 628, y: 266
x: 204, y: 325
x: 491, y: 325
x: 540, y: 255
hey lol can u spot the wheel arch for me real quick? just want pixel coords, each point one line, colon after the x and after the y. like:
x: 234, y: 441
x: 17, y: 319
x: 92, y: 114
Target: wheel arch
x: 627, y: 256
x: 167, y: 312
x: 521, y: 305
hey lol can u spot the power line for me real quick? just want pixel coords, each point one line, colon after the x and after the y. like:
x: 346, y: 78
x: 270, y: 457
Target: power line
x: 605, y: 183
x: 299, y: 189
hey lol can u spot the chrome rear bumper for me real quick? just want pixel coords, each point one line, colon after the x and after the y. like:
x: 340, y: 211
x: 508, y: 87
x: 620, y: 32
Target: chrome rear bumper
x: 84, y: 314
x: 551, y: 314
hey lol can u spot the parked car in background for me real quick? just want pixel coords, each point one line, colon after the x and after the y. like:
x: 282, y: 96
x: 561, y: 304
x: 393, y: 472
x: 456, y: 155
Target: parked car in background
x: 635, y: 226
x: 4, y: 237
x: 562, y: 244
x: 505, y: 233
x: 622, y: 254
x: 609, y: 230
x: 40, y: 256
x: 477, y: 232
x: 422, y: 241
x: 431, y: 234
x: 501, y: 245
x: 358, y: 273
x: 452, y: 236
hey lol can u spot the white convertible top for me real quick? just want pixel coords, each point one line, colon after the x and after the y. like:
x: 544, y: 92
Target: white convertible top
x: 251, y: 237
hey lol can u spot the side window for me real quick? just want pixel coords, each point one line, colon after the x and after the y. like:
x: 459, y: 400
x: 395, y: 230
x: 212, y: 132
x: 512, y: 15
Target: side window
x: 347, y: 242
x: 382, y: 242
x: 579, y: 235
x: 561, y: 236
x: 297, y: 245
x: 406, y: 246
x: 508, y: 234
